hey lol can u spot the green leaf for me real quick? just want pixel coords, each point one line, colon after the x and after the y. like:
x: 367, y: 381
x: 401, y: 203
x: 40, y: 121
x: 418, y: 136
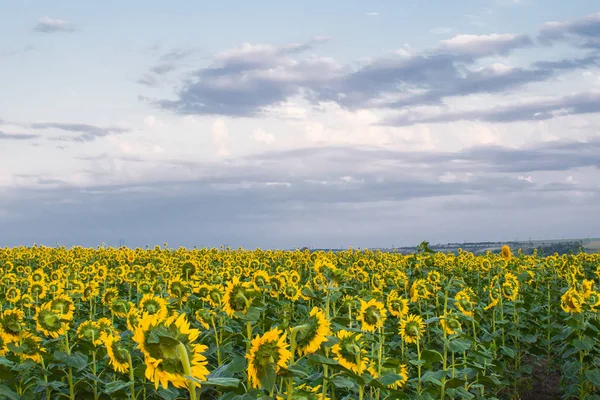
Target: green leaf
x: 237, y: 364
x: 342, y: 382
x: 112, y: 387
x: 431, y: 356
x: 593, y: 376
x: 459, y: 345
x: 586, y: 344
x: 432, y: 378
x: 389, y: 379
x: 267, y: 380
x: 6, y: 391
x: 221, y: 382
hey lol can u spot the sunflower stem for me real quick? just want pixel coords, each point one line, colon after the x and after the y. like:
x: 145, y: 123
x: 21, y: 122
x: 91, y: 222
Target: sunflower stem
x: 69, y: 370
x: 185, y: 361
x: 131, y: 376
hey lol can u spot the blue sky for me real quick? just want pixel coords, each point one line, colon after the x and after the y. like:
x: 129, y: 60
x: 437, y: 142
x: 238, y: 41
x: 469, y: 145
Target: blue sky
x: 282, y: 124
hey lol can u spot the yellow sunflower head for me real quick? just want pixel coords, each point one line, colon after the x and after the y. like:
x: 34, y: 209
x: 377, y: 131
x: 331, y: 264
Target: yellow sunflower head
x: 372, y: 315
x: 311, y: 335
x: 50, y: 321
x: 350, y: 351
x: 168, y: 344
x: 412, y: 328
x: 268, y: 354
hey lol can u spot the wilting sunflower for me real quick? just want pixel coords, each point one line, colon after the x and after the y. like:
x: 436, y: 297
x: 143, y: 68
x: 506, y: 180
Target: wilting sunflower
x: 572, y: 301
x: 11, y: 322
x: 154, y: 306
x: 49, y: 321
x: 312, y: 334
x: 372, y: 315
x: 236, y: 298
x: 350, y: 352
x: 90, y: 332
x: 168, y: 344
x: 179, y: 289
x: 450, y: 324
x: 412, y: 328
x: 118, y: 354
x: 267, y: 352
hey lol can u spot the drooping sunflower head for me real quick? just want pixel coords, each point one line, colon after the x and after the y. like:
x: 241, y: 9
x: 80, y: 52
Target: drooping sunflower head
x: 118, y: 354
x: 419, y: 290
x: 260, y: 279
x: 350, y: 352
x: 90, y: 291
x: 89, y: 331
x: 268, y: 354
x: 106, y: 327
x: 464, y: 302
x: 450, y: 324
x: 120, y: 307
x: 133, y: 318
x: 11, y: 322
x: 4, y: 341
x: 64, y: 305
x: 30, y: 347
x: 311, y: 335
x: 165, y: 345
x: 506, y: 253
x: 38, y: 290
x: 205, y: 317
x: 372, y: 315
x: 153, y: 305
x: 179, y: 289
x: 572, y: 301
x: 236, y: 297
x: 26, y: 301
x: 12, y: 294
x: 397, y: 306
x: 291, y: 292
x: 412, y: 328
x: 50, y: 321
x: 109, y: 295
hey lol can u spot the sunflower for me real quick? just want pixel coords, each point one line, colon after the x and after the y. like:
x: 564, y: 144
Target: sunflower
x: 30, y: 347
x: 506, y: 253
x: 412, y: 328
x: 372, y: 315
x: 120, y: 307
x: 268, y: 353
x: 179, y: 289
x: 215, y: 294
x: 464, y: 303
x: 13, y: 294
x: 510, y: 287
x: 418, y: 290
x: 133, y: 318
x: 37, y: 290
x: 50, y: 321
x: 4, y: 341
x: 64, y: 305
x: 90, y: 291
x: 90, y: 332
x: 109, y: 295
x: 401, y: 370
x: 106, y: 327
x: 168, y: 344
x: 450, y: 324
x: 205, y: 317
x: 235, y: 298
x: 153, y: 305
x: 396, y: 305
x: 350, y: 352
x: 11, y: 322
x: 312, y: 334
x: 260, y: 279
x: 26, y: 301
x: 291, y: 292
x: 572, y: 301
x: 293, y: 277
x: 118, y: 354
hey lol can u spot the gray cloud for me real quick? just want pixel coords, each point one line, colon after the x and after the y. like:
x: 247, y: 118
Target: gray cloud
x: 53, y: 25
x: 83, y: 132
x: 335, y: 197
x: 582, y: 103
x: 586, y: 30
x: 17, y: 136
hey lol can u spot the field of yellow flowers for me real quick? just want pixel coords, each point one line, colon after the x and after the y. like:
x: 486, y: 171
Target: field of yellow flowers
x: 160, y: 323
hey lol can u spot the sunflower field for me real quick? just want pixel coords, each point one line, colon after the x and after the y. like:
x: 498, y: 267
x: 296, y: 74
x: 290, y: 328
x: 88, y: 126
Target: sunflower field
x: 161, y: 323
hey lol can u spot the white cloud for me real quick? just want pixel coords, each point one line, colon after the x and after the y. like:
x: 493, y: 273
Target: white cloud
x: 372, y: 14
x: 263, y: 137
x: 220, y: 134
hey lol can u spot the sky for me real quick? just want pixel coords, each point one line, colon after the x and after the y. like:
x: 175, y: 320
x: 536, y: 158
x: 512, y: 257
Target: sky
x: 287, y: 124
